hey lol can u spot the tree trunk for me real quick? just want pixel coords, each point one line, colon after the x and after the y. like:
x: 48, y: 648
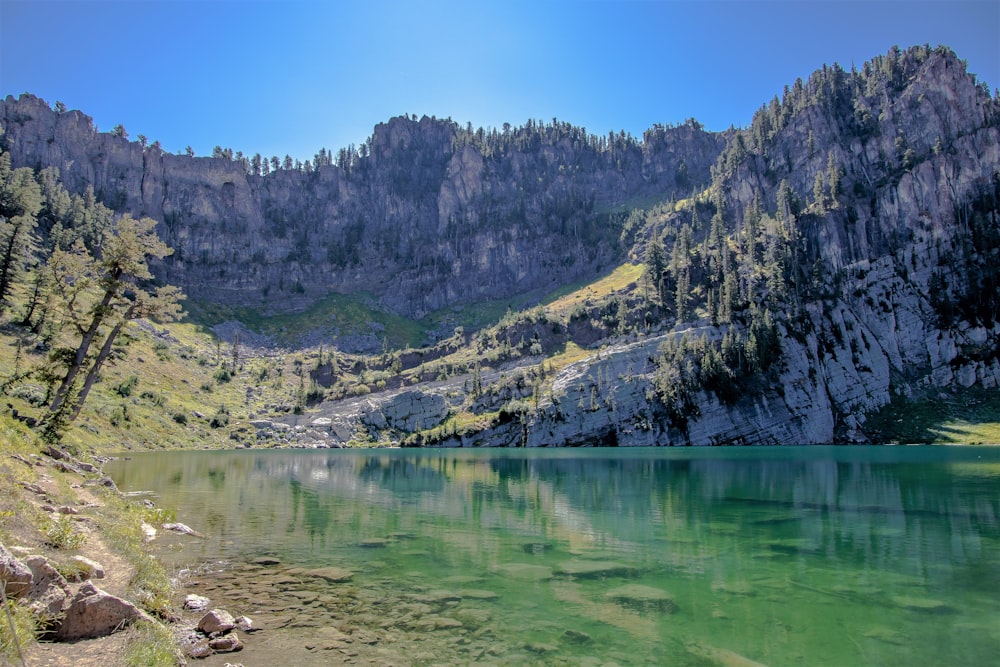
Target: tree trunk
x: 95, y: 368
x: 82, y: 350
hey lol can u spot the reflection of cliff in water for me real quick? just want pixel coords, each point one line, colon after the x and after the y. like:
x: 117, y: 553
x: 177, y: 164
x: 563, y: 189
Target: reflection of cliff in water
x: 888, y: 515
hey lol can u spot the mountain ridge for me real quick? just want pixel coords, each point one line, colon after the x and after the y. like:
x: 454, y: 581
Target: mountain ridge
x: 798, y: 274
x: 502, y: 212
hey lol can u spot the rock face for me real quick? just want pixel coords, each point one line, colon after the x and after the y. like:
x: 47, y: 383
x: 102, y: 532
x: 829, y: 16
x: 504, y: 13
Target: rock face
x: 407, y: 411
x: 426, y: 215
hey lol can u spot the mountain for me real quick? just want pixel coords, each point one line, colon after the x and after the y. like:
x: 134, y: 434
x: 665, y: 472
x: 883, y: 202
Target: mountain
x: 425, y: 215
x: 777, y: 284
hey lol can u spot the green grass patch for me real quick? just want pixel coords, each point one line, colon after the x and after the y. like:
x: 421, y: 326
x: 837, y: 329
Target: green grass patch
x: 151, y: 645
x: 121, y: 523
x: 618, y: 280
x: 17, y: 631
x: 347, y: 314
x: 967, y: 417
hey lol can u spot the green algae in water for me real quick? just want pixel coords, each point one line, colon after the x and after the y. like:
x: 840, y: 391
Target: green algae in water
x: 798, y: 556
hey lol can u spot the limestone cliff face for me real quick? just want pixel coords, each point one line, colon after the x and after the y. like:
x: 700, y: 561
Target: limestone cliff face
x: 904, y: 257
x: 429, y: 215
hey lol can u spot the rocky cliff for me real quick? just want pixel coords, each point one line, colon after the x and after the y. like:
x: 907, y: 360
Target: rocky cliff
x: 425, y: 215
x: 895, y: 290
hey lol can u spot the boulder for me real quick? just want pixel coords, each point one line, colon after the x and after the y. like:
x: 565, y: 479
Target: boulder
x: 95, y: 613
x: 50, y: 592
x: 228, y: 643
x: 266, y: 560
x: 15, y: 576
x: 181, y: 528
x: 89, y: 569
x: 196, y: 602
x: 217, y: 620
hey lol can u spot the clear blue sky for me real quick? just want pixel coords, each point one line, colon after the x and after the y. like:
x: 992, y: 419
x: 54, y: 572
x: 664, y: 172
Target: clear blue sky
x: 280, y: 77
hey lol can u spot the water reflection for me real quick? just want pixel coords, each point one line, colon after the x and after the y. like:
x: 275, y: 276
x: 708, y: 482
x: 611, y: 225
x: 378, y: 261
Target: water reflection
x: 776, y: 544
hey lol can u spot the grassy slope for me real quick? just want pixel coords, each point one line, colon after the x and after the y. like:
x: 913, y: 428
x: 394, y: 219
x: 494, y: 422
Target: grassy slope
x: 165, y: 388
x: 964, y: 416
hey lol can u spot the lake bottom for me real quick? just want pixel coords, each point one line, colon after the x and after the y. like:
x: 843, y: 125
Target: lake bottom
x: 595, y: 558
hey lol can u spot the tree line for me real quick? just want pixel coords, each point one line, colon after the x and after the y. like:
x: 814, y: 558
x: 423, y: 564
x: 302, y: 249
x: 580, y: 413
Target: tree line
x: 73, y: 274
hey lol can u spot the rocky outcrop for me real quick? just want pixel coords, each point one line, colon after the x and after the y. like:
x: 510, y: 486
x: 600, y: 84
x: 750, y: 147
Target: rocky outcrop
x: 406, y: 411
x: 63, y: 614
x: 50, y: 592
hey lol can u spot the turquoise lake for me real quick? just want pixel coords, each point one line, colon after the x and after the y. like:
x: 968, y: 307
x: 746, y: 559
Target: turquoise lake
x: 722, y: 556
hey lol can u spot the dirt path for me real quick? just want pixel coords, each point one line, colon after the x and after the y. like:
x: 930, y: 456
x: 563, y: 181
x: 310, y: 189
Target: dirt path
x: 68, y: 489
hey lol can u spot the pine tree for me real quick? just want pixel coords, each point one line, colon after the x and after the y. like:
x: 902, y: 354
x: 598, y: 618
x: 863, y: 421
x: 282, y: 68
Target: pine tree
x: 20, y: 203
x: 120, y: 272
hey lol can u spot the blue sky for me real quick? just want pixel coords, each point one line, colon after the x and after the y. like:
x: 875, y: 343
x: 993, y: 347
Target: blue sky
x: 280, y: 77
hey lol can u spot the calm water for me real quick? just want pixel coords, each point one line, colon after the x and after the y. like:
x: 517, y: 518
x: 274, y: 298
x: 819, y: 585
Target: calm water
x: 779, y: 556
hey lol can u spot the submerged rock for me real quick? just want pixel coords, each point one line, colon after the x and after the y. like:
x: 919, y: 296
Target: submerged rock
x: 576, y: 637
x: 374, y: 543
x: 525, y: 571
x: 266, y: 560
x: 886, y: 635
x: 925, y: 605
x: 477, y: 594
x: 720, y: 657
x: 594, y: 569
x: 742, y: 588
x: 332, y: 574
x: 643, y: 598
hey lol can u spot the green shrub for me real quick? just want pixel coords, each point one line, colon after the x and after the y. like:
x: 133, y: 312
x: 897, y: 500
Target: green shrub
x: 125, y: 387
x: 60, y: 533
x: 29, y: 393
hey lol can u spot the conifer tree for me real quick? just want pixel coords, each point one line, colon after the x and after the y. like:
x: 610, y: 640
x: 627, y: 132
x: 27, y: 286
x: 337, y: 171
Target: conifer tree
x: 20, y: 202
x: 121, y: 274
